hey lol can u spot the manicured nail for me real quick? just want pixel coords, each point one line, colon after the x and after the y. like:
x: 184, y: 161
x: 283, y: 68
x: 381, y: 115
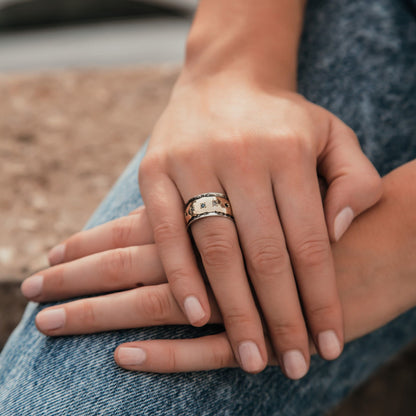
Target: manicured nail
x: 193, y: 310
x: 56, y: 255
x: 329, y: 345
x: 32, y: 286
x: 294, y: 364
x: 50, y: 319
x: 131, y: 356
x: 250, y: 357
x: 342, y: 221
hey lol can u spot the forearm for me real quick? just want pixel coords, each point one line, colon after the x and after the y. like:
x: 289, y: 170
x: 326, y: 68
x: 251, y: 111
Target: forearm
x: 375, y: 263
x: 255, y: 39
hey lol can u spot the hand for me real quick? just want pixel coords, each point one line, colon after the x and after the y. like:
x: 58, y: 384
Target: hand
x: 262, y: 147
x: 374, y: 288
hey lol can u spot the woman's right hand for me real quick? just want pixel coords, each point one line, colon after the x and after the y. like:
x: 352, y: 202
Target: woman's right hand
x: 234, y: 125
x: 374, y: 264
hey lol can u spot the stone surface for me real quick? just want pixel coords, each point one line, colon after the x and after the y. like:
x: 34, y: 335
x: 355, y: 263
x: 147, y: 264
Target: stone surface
x: 65, y: 138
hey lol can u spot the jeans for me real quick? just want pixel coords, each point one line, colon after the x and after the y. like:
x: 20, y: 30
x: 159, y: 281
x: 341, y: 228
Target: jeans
x: 358, y: 60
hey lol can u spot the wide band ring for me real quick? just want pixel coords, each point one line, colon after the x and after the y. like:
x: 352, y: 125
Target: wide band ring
x: 212, y: 204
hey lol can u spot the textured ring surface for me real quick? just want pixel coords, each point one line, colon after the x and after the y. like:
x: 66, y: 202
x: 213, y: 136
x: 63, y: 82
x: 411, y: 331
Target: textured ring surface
x: 211, y: 204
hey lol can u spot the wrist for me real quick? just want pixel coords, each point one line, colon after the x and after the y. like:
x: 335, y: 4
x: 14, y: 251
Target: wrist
x: 257, y: 41
x: 380, y: 283
x: 400, y: 193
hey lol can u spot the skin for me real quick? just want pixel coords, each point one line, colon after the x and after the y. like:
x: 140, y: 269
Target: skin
x: 375, y: 272
x: 235, y: 125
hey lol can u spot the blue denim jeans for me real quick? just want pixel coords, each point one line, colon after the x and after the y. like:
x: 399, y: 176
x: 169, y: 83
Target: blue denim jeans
x: 358, y: 60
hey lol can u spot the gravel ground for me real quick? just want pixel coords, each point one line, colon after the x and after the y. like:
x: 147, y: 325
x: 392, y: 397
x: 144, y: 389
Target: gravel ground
x: 65, y: 137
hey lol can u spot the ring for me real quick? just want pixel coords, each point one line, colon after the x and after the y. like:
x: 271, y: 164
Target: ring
x: 211, y: 204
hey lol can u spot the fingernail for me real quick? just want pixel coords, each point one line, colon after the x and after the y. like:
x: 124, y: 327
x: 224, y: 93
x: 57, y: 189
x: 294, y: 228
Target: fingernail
x: 56, y: 255
x: 250, y: 357
x: 48, y: 320
x: 329, y: 345
x: 294, y: 364
x: 131, y: 356
x: 342, y: 221
x: 193, y: 310
x: 32, y: 286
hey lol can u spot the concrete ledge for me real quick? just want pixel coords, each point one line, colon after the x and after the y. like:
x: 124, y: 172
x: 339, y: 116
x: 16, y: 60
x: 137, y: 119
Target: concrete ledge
x: 40, y: 12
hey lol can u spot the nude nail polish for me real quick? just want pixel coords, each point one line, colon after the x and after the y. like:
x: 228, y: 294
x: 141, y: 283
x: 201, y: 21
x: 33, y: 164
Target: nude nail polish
x: 342, y: 221
x: 250, y: 357
x: 329, y: 345
x: 56, y: 255
x: 294, y: 364
x: 193, y: 309
x: 131, y: 355
x: 32, y: 286
x: 51, y: 319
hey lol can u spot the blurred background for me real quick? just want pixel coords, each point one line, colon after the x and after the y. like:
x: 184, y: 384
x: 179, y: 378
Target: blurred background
x: 81, y: 84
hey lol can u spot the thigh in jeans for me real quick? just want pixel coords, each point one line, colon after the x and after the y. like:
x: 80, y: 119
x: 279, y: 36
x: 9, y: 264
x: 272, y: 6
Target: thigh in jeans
x: 355, y: 61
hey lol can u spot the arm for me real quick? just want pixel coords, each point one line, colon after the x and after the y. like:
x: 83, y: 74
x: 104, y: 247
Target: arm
x: 255, y: 40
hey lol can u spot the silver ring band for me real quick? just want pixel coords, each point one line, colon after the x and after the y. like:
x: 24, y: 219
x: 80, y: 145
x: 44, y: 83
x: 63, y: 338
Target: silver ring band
x: 211, y: 204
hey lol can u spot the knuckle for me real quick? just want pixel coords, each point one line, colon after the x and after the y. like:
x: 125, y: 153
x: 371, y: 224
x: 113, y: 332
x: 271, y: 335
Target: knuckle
x: 55, y: 282
x: 294, y: 144
x: 285, y: 331
x: 318, y: 312
x: 87, y: 312
x: 115, y: 263
x: 184, y: 156
x: 217, y: 250
x: 237, y: 318
x: 349, y: 132
x: 166, y: 231
x: 122, y: 231
x: 73, y: 246
x: 268, y: 257
x: 178, y: 279
x: 220, y: 357
x: 151, y: 163
x: 155, y: 305
x: 171, y: 358
x: 312, y: 252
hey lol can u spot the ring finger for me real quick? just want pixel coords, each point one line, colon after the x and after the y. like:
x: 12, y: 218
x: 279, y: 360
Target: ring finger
x: 216, y: 239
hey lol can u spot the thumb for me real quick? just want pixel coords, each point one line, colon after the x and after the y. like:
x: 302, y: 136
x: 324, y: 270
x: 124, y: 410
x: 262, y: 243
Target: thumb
x: 354, y: 185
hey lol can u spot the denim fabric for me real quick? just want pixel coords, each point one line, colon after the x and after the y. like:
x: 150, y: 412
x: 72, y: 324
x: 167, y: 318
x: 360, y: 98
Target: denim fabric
x: 357, y: 59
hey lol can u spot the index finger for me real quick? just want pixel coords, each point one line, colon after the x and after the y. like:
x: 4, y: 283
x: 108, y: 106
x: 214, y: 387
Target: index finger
x: 132, y: 230
x: 165, y: 208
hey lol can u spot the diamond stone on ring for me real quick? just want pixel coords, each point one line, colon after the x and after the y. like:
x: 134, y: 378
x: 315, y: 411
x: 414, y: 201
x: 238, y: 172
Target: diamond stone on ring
x: 207, y: 205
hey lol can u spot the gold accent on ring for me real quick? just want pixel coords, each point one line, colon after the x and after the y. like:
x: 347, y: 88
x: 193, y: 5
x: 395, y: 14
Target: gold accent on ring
x: 211, y: 204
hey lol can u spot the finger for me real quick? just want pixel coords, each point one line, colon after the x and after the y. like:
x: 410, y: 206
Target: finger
x: 211, y: 352
x: 165, y: 208
x: 217, y: 242
x: 122, y: 232
x: 112, y: 270
x: 270, y: 270
x: 300, y: 207
x: 141, y: 307
x: 216, y: 239
x: 137, y: 210
x: 353, y: 183
x: 171, y: 356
